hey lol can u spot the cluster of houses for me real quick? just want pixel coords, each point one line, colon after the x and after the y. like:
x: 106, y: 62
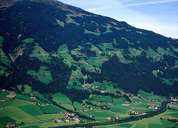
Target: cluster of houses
x: 153, y: 106
x: 11, y: 95
x: 71, y: 117
x: 135, y: 113
x: 150, y: 106
x: 126, y: 104
x: 174, y: 99
x: 113, y: 118
x: 68, y: 117
x: 10, y: 125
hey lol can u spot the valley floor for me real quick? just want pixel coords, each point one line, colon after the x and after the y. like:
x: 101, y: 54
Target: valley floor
x: 36, y: 111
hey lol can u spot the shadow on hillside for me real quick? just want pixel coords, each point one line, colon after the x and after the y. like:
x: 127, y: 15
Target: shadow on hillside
x: 135, y: 76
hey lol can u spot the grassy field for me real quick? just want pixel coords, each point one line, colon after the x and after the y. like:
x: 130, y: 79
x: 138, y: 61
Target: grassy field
x: 26, y: 112
x: 154, y: 122
x: 101, y: 115
x: 63, y: 100
x: 43, y: 75
x: 32, y: 113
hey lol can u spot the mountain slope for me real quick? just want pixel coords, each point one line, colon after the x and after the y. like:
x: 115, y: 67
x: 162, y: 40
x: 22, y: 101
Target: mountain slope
x: 56, y: 47
x: 61, y: 66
